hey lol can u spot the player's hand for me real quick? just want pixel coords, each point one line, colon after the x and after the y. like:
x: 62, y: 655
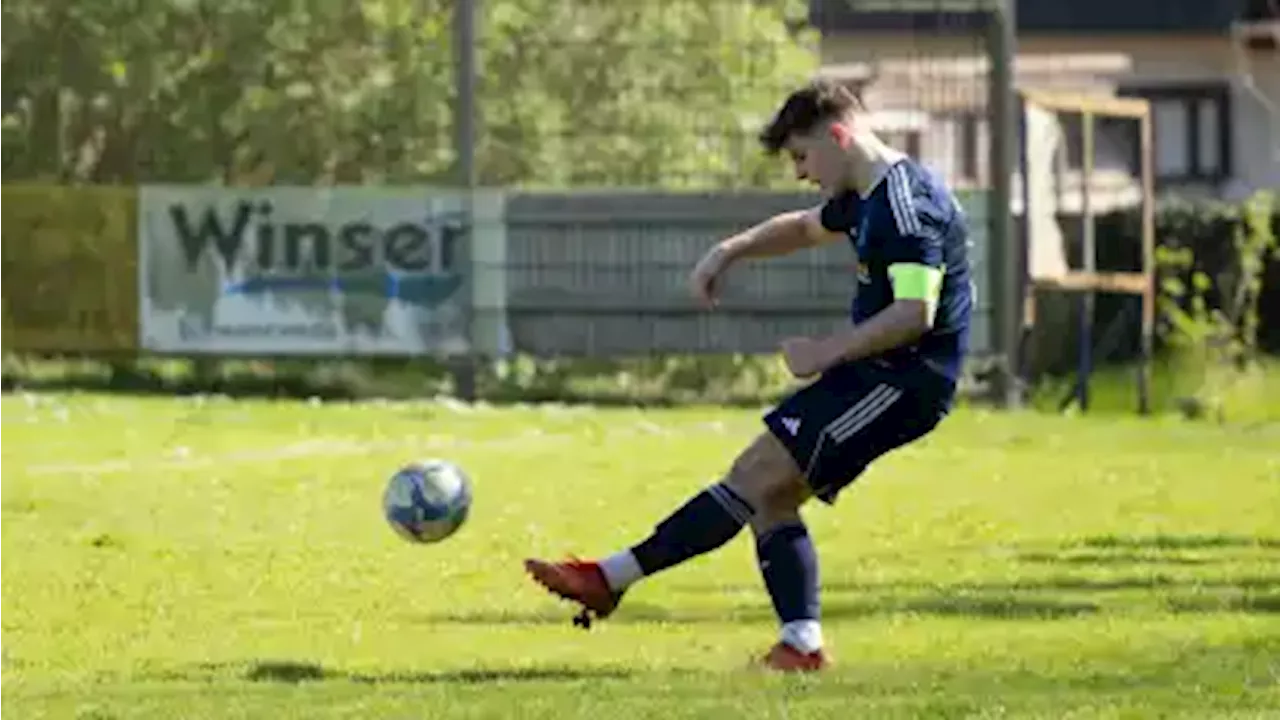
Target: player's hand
x: 705, y: 280
x: 805, y: 356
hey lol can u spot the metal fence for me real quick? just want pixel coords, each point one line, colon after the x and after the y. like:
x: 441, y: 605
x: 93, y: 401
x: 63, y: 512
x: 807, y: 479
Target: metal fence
x: 608, y: 274
x: 603, y: 274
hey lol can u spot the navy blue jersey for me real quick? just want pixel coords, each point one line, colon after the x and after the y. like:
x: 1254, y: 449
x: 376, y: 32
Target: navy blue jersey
x: 910, y: 216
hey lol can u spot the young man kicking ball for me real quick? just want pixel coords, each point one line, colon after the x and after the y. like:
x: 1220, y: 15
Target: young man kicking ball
x: 884, y: 380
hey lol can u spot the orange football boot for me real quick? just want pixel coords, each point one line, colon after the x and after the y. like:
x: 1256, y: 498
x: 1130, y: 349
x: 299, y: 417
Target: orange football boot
x: 784, y: 658
x: 579, y: 581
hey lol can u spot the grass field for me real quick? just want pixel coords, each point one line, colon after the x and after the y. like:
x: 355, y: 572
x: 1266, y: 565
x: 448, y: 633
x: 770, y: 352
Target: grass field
x: 216, y: 559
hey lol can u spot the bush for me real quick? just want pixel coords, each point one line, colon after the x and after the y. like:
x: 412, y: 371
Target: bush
x: 1213, y: 258
x: 1218, y: 304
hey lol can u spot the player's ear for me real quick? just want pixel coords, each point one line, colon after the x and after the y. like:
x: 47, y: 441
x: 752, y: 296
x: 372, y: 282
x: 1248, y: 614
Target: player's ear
x: 841, y: 133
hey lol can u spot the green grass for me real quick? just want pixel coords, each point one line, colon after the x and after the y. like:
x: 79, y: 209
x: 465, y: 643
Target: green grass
x: 218, y: 559
x: 1219, y: 393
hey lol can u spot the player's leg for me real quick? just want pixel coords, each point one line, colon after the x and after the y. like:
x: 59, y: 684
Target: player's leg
x: 832, y: 429
x: 785, y: 552
x: 760, y: 477
x: 788, y: 563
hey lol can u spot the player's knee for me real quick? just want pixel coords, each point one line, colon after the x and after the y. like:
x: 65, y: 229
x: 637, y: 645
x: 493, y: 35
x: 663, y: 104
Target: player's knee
x: 766, y: 477
x: 774, y: 516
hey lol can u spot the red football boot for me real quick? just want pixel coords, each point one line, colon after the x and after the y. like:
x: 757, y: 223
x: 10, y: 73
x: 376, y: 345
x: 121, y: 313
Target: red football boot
x: 784, y: 658
x: 579, y: 581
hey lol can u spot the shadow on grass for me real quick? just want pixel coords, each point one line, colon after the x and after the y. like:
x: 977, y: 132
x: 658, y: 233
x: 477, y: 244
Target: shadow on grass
x: 635, y: 613
x: 976, y: 607
x: 1178, y: 542
x: 291, y: 672
x: 1268, y: 603
x: 1078, y: 591
x: 629, y: 613
x: 1066, y: 583
x: 1119, y: 558
x: 1086, y: 584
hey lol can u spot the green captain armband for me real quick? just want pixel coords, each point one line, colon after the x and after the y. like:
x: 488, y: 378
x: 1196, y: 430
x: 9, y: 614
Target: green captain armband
x: 912, y: 281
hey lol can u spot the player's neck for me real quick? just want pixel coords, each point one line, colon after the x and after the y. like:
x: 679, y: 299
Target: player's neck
x: 871, y: 159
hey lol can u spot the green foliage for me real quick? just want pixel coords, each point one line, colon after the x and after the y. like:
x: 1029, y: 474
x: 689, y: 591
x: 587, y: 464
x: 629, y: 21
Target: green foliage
x: 251, y: 91
x: 1251, y: 398
x: 1213, y: 309
x: 238, y: 91
x: 1218, y: 305
x: 633, y: 94
x: 70, y: 284
x: 665, y: 380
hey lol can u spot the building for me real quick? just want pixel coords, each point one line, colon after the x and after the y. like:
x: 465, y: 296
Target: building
x: 1210, y: 68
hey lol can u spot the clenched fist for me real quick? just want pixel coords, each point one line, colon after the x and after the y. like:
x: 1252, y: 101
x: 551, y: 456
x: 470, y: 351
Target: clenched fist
x: 705, y: 279
x: 805, y: 356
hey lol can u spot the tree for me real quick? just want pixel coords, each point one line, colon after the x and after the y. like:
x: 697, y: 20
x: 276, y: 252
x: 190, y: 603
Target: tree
x: 663, y: 92
x: 573, y: 93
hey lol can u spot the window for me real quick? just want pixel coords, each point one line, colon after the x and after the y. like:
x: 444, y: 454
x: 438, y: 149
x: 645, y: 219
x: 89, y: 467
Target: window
x: 1170, y: 123
x: 1191, y: 128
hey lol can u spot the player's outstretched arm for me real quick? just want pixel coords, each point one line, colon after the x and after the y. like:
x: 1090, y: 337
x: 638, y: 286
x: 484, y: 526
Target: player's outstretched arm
x: 779, y: 235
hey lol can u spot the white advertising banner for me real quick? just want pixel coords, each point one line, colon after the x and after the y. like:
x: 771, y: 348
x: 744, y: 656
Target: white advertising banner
x: 301, y: 270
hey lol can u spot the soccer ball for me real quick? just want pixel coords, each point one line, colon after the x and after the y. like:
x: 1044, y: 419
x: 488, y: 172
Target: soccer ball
x: 427, y: 501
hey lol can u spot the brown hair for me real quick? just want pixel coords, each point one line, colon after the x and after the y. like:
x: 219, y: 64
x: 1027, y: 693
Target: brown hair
x: 820, y: 101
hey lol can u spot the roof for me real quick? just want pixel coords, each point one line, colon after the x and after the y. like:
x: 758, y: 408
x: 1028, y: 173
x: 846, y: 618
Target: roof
x: 1033, y: 16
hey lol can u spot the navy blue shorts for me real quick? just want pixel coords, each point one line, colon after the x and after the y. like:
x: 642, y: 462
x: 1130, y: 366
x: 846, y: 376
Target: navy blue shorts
x: 853, y: 414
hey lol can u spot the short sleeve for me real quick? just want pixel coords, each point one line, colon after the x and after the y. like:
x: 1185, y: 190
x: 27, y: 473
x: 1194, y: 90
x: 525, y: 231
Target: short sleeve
x: 912, y: 229
x: 842, y: 213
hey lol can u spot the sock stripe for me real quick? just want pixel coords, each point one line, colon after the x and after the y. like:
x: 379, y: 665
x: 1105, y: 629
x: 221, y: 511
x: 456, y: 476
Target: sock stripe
x: 732, y: 502
x: 717, y: 493
x: 768, y: 534
x: 703, y: 523
x: 747, y: 509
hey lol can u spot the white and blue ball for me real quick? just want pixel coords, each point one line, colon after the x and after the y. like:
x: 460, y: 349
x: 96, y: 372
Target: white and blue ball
x: 427, y: 501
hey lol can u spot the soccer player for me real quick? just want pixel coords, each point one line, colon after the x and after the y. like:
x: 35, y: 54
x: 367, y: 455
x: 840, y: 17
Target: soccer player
x: 884, y: 380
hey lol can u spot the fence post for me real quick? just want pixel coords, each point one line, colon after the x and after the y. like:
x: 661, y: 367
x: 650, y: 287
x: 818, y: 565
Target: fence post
x: 1006, y: 252
x: 465, y: 15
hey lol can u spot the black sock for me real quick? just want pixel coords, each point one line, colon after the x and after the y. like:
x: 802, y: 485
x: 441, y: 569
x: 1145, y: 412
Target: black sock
x: 790, y: 568
x: 707, y: 521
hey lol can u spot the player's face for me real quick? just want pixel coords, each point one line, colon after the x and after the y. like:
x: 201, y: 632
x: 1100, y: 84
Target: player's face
x: 818, y: 158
